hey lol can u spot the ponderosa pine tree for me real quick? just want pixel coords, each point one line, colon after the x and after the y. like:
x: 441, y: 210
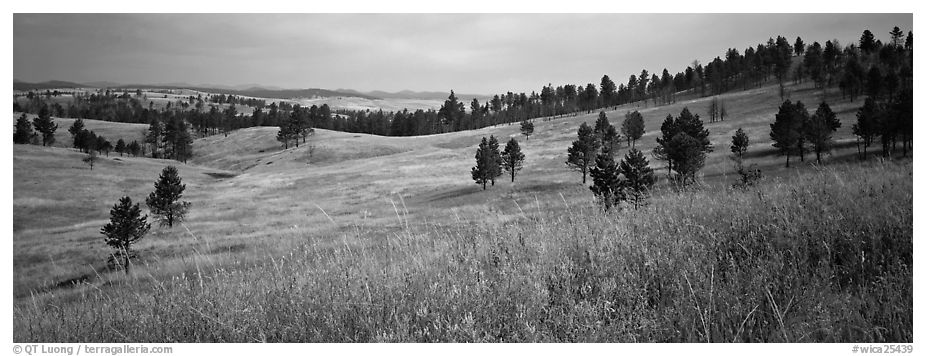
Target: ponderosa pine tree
x: 134, y: 148
x: 527, y: 129
x: 164, y: 201
x: 92, y: 157
x: 787, y: 130
x: 126, y: 226
x: 671, y: 148
x: 582, y: 151
x: 23, y: 133
x: 482, y: 172
x: 495, y: 169
x: 740, y: 143
x: 120, y: 147
x: 45, y: 125
x: 638, y: 177
x: 75, y: 130
x: 820, y: 128
x: 632, y: 127
x: 512, y: 158
x: 606, y: 184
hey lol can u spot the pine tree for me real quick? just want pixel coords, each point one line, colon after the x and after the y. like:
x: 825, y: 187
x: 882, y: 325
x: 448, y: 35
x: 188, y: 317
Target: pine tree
x: 820, y: 128
x: 632, y: 127
x: 687, y: 156
x: 512, y: 158
x: 638, y: 177
x: 164, y: 201
x: 495, y: 157
x: 126, y: 226
x: 23, y: 133
x: 740, y: 143
x: 120, y: 146
x: 527, y: 128
x: 134, y: 148
x: 75, y: 130
x: 606, y: 185
x: 45, y: 125
x: 787, y: 130
x: 482, y: 171
x: 582, y: 151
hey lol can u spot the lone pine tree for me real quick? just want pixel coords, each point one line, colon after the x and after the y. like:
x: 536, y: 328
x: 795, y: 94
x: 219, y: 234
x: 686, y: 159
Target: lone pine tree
x: 23, y: 133
x: 740, y: 143
x: 164, y: 201
x: 820, y: 128
x: 527, y: 129
x: 512, y: 158
x: 582, y: 151
x: 126, y: 226
x: 632, y: 127
x: 486, y: 164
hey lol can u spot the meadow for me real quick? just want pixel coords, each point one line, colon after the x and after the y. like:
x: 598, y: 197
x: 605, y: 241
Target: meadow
x: 354, y: 237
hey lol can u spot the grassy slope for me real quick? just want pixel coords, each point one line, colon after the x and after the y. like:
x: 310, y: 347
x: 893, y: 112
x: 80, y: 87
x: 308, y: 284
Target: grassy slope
x: 353, y: 190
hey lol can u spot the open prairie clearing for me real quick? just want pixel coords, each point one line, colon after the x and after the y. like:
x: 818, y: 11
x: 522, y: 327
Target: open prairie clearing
x: 353, y: 237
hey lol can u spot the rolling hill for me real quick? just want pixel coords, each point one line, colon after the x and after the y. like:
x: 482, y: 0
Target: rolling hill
x: 357, y: 219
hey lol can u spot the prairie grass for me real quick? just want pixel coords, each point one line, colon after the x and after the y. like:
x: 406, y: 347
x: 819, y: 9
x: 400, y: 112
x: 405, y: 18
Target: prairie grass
x: 822, y: 256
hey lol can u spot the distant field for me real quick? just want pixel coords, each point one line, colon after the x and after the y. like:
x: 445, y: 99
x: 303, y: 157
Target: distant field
x: 342, y: 217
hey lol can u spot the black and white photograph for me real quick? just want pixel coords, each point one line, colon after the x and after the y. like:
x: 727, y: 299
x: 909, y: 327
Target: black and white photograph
x: 300, y: 177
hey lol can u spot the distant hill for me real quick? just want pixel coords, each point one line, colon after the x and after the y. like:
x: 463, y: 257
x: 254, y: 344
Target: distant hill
x: 51, y: 84
x: 408, y: 94
x: 252, y: 90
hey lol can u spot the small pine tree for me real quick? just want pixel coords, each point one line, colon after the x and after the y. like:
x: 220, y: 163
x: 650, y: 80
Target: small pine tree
x: 23, y: 133
x: 512, y: 158
x: 639, y: 178
x: 126, y: 226
x: 820, y: 128
x: 632, y: 127
x: 495, y: 168
x: 164, y: 201
x: 45, y: 125
x: 481, y: 172
x: 787, y: 130
x: 740, y: 143
x: 582, y: 151
x: 527, y: 128
x: 134, y: 148
x: 120, y: 147
x: 75, y: 131
x: 606, y: 185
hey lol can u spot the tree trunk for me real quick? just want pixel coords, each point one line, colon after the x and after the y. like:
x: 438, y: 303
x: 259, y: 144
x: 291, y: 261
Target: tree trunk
x: 787, y: 160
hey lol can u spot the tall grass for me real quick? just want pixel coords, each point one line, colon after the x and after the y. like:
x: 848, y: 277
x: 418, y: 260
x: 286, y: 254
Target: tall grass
x: 821, y: 257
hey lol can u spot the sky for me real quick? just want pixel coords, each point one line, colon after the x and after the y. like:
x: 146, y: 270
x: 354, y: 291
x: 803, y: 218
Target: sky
x: 468, y: 53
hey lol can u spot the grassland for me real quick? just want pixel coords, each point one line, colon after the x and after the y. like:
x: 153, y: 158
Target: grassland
x: 355, y: 237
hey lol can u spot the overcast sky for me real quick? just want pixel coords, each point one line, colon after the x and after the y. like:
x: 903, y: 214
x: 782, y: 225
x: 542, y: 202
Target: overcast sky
x: 480, y: 54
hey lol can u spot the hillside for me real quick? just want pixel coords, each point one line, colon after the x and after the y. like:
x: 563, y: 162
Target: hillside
x: 378, y: 207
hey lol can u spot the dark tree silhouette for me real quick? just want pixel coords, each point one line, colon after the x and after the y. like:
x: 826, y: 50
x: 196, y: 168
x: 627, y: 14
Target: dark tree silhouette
x: 527, y: 129
x: 787, y: 130
x: 495, y: 170
x: 740, y: 143
x: 632, y: 127
x: 164, y: 201
x: 582, y: 151
x: 512, y: 158
x: 75, y: 130
x: 126, y: 226
x: 639, y: 178
x: 23, y: 133
x: 606, y: 185
x: 45, y: 125
x: 482, y: 172
x: 820, y: 128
